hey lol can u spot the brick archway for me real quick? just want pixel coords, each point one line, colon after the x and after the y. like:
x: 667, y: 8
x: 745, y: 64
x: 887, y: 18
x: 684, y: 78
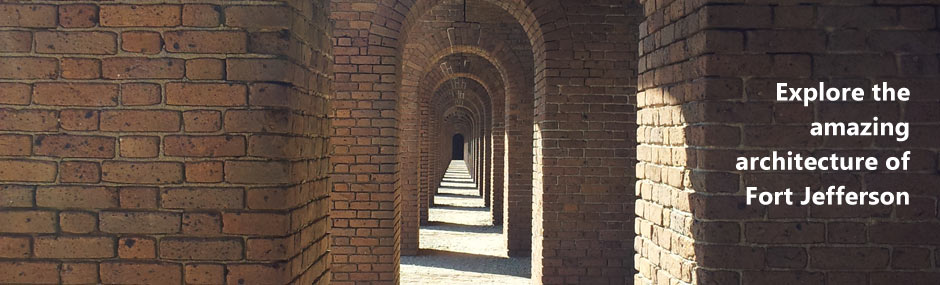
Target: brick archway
x: 387, y: 36
x: 195, y: 141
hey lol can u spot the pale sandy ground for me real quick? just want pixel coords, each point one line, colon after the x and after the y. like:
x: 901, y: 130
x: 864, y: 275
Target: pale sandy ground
x: 460, y: 246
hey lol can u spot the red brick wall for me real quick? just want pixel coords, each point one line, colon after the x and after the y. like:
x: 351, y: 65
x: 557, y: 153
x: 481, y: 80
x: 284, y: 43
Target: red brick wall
x: 703, y: 108
x: 585, y: 144
x: 164, y: 143
x: 366, y: 201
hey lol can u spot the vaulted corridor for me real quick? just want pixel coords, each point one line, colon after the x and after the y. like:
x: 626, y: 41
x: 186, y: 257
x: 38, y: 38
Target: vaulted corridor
x: 459, y: 243
x: 384, y: 142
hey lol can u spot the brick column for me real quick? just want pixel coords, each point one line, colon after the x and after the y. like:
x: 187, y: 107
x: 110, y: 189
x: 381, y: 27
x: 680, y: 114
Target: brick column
x: 496, y: 182
x: 161, y: 143
x: 425, y: 138
x: 693, y: 216
x: 585, y: 145
x: 517, y: 191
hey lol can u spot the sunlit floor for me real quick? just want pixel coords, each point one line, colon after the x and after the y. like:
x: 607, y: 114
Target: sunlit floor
x: 460, y: 246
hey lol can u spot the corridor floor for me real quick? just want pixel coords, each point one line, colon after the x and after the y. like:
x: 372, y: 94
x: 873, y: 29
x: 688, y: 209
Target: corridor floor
x: 460, y: 245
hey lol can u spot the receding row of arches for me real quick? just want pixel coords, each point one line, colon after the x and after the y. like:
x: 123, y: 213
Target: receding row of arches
x: 526, y: 92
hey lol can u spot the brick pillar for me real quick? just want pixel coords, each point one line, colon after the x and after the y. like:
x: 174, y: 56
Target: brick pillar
x: 496, y: 182
x: 585, y: 146
x: 726, y: 104
x: 161, y: 143
x: 662, y: 207
x: 425, y: 137
x: 367, y: 197
x: 517, y: 208
x: 408, y: 157
x: 485, y: 174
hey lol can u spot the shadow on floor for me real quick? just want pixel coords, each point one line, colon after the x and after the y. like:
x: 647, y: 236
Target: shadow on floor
x: 469, y: 262
x: 455, y: 195
x: 459, y: 208
x: 454, y: 227
x: 449, y: 187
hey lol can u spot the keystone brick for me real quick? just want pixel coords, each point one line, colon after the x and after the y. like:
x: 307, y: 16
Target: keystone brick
x: 142, y: 172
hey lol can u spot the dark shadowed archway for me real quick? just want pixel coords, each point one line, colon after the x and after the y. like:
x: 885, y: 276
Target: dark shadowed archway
x: 457, y: 146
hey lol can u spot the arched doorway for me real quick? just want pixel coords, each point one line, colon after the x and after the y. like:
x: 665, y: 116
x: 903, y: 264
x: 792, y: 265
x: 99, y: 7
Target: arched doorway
x: 457, y: 147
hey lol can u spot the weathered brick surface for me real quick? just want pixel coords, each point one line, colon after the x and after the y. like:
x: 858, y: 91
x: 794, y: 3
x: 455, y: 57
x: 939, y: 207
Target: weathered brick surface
x: 136, y: 138
x: 701, y: 108
x: 141, y: 42
x: 140, y: 273
x: 115, y: 167
x: 74, y: 247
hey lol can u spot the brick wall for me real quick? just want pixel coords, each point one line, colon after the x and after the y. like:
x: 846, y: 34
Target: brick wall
x: 585, y: 145
x: 164, y: 143
x: 664, y: 241
x: 703, y: 108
